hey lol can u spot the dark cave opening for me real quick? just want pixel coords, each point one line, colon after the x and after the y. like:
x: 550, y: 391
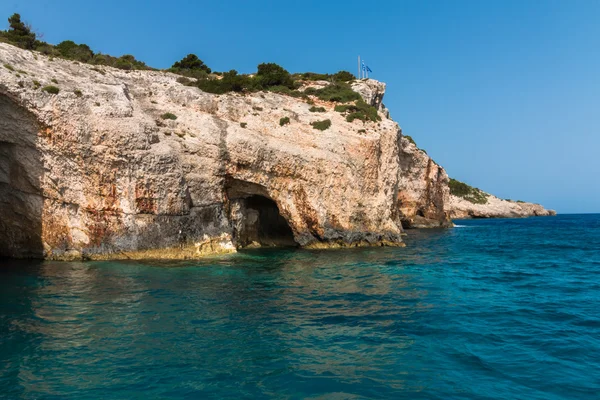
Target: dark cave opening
x: 21, y: 171
x: 256, y: 219
x: 271, y: 228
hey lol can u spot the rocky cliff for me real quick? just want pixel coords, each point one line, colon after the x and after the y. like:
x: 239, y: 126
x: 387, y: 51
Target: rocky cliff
x: 134, y: 164
x: 459, y: 208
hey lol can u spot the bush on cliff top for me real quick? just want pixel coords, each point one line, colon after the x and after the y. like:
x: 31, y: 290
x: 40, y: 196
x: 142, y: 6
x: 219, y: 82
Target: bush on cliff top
x: 359, y: 110
x: 269, y: 76
x: 20, y: 34
x: 191, y: 62
x: 341, y: 76
x: 73, y: 51
x: 337, y: 92
x: 469, y: 193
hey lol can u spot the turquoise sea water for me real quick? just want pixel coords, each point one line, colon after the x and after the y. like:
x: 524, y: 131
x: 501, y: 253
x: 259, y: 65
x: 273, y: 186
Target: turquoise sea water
x: 493, y: 309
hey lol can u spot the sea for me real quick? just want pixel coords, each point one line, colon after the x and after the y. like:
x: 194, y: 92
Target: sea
x: 490, y: 309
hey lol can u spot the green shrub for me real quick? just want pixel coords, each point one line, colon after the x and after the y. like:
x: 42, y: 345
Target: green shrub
x: 123, y: 64
x: 287, y: 91
x: 312, y: 76
x: 284, y: 121
x: 343, y: 76
x: 190, y: 73
x: 51, y: 89
x: 9, y: 67
x: 36, y: 85
x: 337, y: 92
x: 520, y: 201
x: 321, y: 125
x: 410, y: 139
x: 53, y: 80
x: 169, y: 116
x: 212, y: 86
x: 359, y: 110
x: 231, y: 82
x: 271, y: 74
x: 316, y: 109
x: 191, y: 62
x: 243, y: 124
x: 126, y: 62
x: 78, y: 93
x: 183, y: 80
x: 469, y: 193
x: 73, y: 51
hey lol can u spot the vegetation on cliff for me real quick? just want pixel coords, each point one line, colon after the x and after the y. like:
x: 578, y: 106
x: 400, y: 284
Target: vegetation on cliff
x: 21, y: 35
x: 269, y: 76
x: 195, y: 72
x: 469, y: 193
x: 359, y: 110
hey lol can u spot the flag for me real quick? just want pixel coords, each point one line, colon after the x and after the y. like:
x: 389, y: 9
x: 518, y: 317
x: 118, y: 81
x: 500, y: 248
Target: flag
x: 364, y: 67
x: 368, y: 69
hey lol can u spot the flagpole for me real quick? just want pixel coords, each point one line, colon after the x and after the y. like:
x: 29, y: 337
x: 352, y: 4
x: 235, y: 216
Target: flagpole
x: 358, y: 76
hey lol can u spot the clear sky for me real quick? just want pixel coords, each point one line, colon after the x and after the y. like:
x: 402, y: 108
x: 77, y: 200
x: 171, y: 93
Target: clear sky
x: 504, y: 94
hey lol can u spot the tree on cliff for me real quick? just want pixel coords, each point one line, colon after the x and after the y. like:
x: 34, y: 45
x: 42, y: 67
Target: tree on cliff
x: 271, y: 74
x: 19, y: 33
x: 191, y: 62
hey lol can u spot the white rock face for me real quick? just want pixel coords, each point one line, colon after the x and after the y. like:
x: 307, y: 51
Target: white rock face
x: 459, y: 208
x: 95, y: 171
x: 423, y: 189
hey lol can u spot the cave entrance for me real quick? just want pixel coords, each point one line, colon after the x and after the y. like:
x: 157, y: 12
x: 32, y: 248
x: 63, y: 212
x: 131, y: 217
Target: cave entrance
x: 21, y: 170
x: 256, y: 219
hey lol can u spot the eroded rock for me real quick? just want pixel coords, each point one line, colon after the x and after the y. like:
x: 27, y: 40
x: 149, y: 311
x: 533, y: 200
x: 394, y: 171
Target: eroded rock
x: 97, y: 171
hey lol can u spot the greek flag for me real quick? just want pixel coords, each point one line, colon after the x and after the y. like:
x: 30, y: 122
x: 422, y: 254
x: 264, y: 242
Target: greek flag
x: 365, y: 67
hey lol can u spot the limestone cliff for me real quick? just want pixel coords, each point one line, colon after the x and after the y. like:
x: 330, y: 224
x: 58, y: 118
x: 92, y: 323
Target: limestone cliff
x: 459, y: 208
x: 133, y: 164
x: 95, y: 171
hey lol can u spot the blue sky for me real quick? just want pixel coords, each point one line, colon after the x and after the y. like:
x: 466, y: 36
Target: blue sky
x: 504, y: 94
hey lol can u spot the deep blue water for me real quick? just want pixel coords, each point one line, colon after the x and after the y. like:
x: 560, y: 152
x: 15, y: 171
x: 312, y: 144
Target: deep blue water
x: 495, y: 309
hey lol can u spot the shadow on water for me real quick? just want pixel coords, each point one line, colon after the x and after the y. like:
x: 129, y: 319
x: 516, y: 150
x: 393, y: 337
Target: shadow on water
x: 21, y: 171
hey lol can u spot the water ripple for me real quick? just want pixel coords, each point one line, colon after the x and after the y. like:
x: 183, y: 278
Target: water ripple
x: 507, y: 310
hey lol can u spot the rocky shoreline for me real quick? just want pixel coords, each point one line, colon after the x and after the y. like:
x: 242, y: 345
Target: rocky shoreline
x: 135, y: 164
